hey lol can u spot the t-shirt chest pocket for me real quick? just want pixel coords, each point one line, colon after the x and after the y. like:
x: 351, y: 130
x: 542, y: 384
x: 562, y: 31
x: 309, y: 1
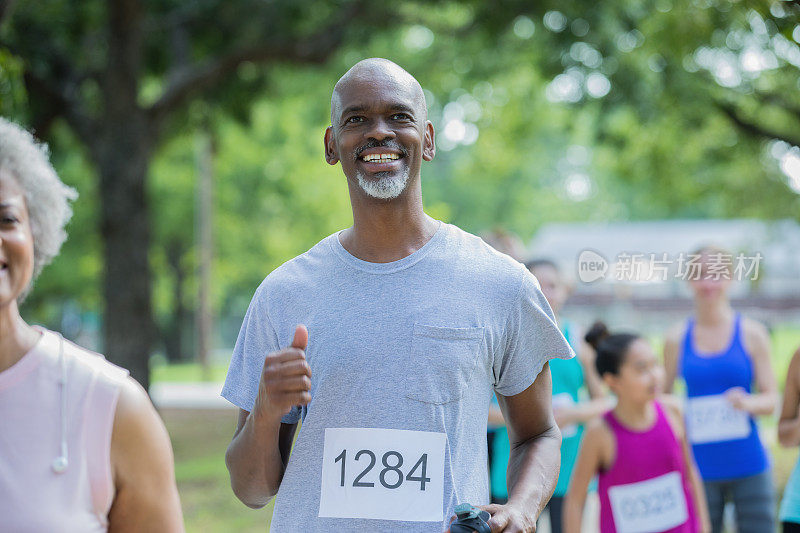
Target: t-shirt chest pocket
x: 441, y: 362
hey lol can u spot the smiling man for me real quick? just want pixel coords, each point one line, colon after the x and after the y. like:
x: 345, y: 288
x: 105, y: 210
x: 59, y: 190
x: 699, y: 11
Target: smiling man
x: 385, y: 340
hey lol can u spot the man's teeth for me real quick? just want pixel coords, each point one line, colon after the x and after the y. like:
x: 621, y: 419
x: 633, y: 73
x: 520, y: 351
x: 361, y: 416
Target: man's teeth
x: 380, y: 157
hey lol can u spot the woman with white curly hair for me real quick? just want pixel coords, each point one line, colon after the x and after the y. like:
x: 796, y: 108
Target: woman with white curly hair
x: 81, y: 446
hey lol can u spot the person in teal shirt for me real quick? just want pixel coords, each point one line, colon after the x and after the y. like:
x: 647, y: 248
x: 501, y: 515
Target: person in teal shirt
x: 578, y: 397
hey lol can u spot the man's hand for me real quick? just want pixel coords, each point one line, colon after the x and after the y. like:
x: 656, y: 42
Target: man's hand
x: 285, y: 379
x: 258, y: 454
x: 507, y: 519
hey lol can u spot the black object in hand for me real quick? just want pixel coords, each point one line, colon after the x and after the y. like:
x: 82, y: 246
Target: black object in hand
x: 470, y: 519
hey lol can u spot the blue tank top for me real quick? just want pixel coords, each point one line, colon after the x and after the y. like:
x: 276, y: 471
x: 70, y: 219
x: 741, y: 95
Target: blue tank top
x: 710, y: 375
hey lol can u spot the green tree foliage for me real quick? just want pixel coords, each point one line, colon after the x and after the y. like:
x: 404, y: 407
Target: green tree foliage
x: 553, y: 111
x: 123, y: 74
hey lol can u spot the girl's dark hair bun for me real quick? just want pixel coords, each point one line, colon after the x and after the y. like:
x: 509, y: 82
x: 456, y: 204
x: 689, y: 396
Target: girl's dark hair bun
x: 610, y: 348
x: 596, y: 333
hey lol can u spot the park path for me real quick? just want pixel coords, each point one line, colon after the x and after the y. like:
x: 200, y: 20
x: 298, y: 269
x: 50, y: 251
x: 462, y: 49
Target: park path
x: 188, y: 395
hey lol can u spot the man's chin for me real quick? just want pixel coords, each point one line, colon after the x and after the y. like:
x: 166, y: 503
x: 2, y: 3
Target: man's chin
x: 383, y: 185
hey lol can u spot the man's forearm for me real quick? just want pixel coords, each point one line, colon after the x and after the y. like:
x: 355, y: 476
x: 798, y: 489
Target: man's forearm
x: 254, y: 461
x: 533, y: 471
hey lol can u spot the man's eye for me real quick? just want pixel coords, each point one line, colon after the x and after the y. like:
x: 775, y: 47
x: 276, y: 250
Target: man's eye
x: 400, y: 116
x: 353, y: 120
x: 8, y: 220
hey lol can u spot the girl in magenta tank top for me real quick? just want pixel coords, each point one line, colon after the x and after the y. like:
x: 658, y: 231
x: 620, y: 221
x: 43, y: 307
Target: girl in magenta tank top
x: 647, y: 480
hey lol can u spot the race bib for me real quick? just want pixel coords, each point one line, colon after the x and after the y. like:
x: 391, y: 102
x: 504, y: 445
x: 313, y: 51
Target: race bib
x: 564, y: 399
x: 713, y: 419
x: 386, y: 474
x: 649, y: 506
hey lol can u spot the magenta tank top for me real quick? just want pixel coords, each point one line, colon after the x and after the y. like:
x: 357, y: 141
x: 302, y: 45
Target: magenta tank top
x: 646, y: 490
x: 33, y: 497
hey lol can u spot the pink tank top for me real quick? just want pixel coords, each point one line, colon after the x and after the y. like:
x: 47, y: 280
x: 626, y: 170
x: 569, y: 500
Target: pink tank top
x: 33, y: 497
x: 646, y: 490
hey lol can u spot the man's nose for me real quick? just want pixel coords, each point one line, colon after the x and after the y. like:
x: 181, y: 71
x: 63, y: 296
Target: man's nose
x: 380, y: 130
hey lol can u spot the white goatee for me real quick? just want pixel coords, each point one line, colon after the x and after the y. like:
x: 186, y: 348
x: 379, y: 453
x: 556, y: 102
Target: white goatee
x: 385, y: 187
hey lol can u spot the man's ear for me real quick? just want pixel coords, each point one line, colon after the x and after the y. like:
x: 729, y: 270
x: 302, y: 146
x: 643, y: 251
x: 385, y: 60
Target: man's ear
x: 428, y: 144
x: 330, y: 150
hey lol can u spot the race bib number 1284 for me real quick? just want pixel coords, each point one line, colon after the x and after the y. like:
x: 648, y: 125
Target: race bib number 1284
x: 386, y: 474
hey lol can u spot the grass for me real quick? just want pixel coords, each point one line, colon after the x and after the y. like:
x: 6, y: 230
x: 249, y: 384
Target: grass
x: 186, y: 372
x: 199, y: 439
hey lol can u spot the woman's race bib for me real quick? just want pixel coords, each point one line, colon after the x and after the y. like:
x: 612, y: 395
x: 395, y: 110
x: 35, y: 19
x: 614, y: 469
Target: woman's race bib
x: 386, y: 474
x: 714, y: 419
x: 649, y: 506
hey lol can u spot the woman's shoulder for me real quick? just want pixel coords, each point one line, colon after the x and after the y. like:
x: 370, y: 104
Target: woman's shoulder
x: 82, y: 360
x: 672, y: 407
x: 753, y: 330
x: 671, y: 404
x: 755, y: 338
x: 676, y: 332
x: 599, y: 437
x: 599, y: 431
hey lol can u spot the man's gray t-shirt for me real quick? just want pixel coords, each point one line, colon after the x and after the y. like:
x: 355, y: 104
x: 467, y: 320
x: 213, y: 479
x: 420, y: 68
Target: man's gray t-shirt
x: 415, y: 346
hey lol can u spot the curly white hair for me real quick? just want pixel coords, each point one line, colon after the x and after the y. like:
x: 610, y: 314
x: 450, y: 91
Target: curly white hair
x: 46, y: 196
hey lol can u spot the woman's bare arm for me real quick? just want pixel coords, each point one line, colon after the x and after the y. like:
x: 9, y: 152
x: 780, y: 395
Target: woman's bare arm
x: 672, y: 356
x: 675, y: 418
x: 595, y: 453
x: 757, y: 343
x: 789, y: 424
x: 143, y: 469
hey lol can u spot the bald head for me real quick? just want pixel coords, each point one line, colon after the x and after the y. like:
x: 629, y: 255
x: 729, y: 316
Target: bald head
x: 378, y: 72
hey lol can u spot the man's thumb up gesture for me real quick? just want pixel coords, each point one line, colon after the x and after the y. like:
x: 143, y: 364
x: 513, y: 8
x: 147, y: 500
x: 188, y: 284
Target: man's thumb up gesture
x: 285, y: 379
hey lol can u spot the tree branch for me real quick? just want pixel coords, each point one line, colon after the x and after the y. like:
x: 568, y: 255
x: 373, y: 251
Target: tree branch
x: 62, y: 104
x: 751, y: 128
x: 779, y: 101
x: 198, y: 78
x: 6, y: 6
x: 59, y: 96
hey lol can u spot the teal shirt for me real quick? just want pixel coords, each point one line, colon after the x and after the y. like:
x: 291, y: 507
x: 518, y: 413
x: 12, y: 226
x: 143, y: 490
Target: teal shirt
x: 567, y: 382
x: 790, y: 504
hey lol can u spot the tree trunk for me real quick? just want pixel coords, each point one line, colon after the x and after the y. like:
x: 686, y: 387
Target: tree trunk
x: 123, y: 157
x: 173, y: 332
x: 204, y: 223
x: 122, y: 149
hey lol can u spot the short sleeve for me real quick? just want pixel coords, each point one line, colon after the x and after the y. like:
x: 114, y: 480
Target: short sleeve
x: 256, y: 339
x: 532, y: 338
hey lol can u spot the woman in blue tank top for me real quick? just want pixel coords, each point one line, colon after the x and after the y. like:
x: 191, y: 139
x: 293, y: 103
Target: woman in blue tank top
x: 720, y: 355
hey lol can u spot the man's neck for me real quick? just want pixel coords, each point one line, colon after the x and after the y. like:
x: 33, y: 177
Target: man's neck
x: 386, y: 231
